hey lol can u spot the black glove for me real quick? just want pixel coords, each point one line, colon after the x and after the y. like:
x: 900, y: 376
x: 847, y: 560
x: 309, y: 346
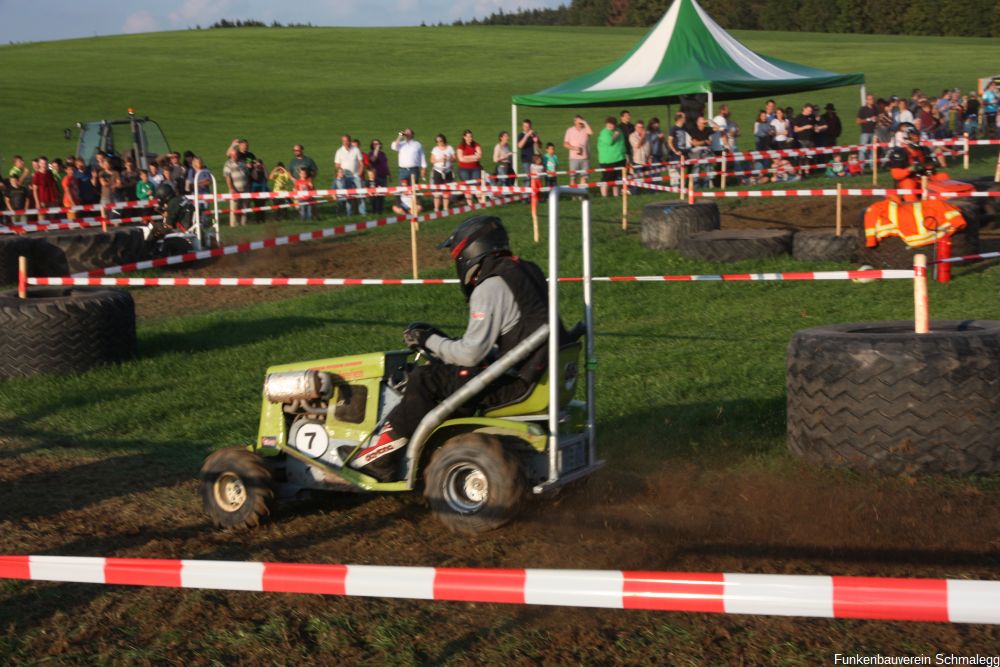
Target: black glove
x: 415, y: 337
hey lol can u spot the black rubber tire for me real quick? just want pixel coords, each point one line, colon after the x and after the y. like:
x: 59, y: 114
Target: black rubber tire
x: 666, y: 224
x: 11, y: 247
x: 876, y: 396
x: 990, y: 205
x: 63, y: 330
x: 85, y: 249
x: 237, y: 488
x: 737, y: 245
x: 473, y: 453
x: 823, y: 245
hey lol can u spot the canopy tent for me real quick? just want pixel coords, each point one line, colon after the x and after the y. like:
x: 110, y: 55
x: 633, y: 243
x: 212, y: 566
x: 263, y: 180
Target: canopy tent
x: 685, y: 53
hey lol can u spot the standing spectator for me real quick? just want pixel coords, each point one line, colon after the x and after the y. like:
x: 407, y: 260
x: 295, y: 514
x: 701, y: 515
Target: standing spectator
x: 925, y: 120
x: 903, y: 113
x: 442, y: 158
x: 834, y: 128
x: 84, y: 181
x: 17, y: 199
x: 201, y: 177
x: 780, y: 126
x: 970, y: 124
x: 43, y: 187
x: 528, y: 145
x: 238, y: 181
x: 299, y: 160
x: 155, y: 177
x: 412, y: 161
x: 883, y: 122
x: 281, y: 181
x: 244, y: 156
x: 550, y: 161
x: 865, y: 120
x: 366, y: 169
x: 611, y: 155
x: 626, y: 127
x: 770, y: 108
x: 380, y: 171
x: 720, y: 134
x: 470, y: 153
x: 762, y: 132
x: 304, y: 185
x: 678, y: 143
x: 129, y: 179
x: 177, y: 175
x: 820, y: 128
x: 804, y: 126
x: 17, y: 169
x: 144, y: 191
x: 537, y: 168
x: 991, y: 103
x: 258, y: 183
x: 656, y: 140
x: 639, y: 141
x: 700, y: 137
x: 577, y: 141
x: 348, y: 164
x: 502, y: 159
x: 70, y: 190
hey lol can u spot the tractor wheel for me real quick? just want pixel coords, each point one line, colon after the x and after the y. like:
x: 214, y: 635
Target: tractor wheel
x: 736, y: 245
x: 877, y: 396
x: 237, y: 489
x: 473, y: 484
x: 11, y: 247
x: 61, y: 330
x: 666, y: 224
x: 823, y: 245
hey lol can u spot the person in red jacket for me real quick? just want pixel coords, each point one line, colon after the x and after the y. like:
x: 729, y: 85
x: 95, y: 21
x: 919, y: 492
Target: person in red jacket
x: 43, y: 187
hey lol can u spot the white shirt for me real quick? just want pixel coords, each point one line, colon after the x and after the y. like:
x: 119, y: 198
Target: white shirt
x: 442, y: 158
x: 411, y: 153
x: 349, y: 159
x: 905, y: 116
x: 780, y: 129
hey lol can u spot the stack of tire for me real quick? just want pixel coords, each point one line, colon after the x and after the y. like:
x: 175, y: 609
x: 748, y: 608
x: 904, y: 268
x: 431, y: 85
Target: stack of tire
x: 878, y: 397
x: 694, y: 230
x: 60, y: 253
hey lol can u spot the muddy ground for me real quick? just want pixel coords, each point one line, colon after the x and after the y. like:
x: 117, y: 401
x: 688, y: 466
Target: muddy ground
x: 674, y: 517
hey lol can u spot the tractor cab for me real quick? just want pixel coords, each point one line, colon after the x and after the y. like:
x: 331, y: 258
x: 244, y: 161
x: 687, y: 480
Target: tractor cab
x: 317, y: 417
x: 140, y: 138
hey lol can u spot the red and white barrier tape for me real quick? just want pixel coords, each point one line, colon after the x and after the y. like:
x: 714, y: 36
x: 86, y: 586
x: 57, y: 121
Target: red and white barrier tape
x: 967, y: 258
x: 83, y: 207
x: 79, y: 223
x: 823, y: 192
x: 286, y: 240
x: 881, y: 598
x: 872, y: 274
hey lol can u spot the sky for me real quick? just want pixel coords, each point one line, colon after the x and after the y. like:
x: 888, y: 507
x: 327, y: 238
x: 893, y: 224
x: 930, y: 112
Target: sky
x: 43, y: 20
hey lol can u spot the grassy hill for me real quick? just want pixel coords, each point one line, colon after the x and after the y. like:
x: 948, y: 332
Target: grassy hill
x: 309, y: 85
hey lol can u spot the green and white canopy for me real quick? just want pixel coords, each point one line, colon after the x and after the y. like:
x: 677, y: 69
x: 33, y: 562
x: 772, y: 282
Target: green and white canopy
x: 684, y: 54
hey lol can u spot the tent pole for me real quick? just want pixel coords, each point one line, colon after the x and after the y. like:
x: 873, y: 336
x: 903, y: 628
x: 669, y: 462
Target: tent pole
x: 864, y: 94
x: 711, y: 103
x: 513, y: 138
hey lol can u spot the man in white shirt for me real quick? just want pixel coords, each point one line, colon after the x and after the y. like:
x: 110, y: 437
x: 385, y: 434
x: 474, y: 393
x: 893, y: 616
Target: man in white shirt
x: 412, y: 161
x: 347, y: 165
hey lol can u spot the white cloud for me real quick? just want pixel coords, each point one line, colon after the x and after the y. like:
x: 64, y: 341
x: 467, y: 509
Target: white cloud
x: 140, y: 22
x: 198, y: 12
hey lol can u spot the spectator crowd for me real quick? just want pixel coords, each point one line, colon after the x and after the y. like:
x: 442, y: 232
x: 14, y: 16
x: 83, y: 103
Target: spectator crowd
x: 621, y: 143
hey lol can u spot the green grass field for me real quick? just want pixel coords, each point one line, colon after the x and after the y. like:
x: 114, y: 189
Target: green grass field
x: 691, y: 381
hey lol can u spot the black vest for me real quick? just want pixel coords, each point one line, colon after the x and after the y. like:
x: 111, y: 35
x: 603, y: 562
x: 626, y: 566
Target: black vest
x: 527, y: 283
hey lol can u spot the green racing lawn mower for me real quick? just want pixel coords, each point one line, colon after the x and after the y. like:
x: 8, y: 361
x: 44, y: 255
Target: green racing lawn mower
x: 474, y: 471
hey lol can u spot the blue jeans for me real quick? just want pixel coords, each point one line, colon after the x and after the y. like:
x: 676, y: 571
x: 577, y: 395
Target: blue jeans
x: 350, y: 181
x: 866, y: 141
x: 406, y: 173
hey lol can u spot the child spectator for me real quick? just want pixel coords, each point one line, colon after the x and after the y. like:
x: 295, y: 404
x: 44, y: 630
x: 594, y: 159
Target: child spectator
x: 155, y: 177
x: 551, y: 162
x: 281, y: 181
x: 537, y: 168
x: 144, y: 188
x: 854, y: 167
x: 17, y: 198
x: 836, y: 168
x: 17, y: 169
x: 304, y: 184
x: 258, y: 183
x: 784, y: 171
x: 43, y: 187
x: 71, y: 190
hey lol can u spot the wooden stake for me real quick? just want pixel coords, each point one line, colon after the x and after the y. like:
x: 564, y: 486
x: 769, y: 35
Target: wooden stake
x: 840, y: 207
x: 723, y: 170
x: 874, y: 161
x: 624, y: 198
x: 965, y: 157
x: 690, y: 191
x: 413, y: 202
x: 996, y: 176
x: 921, y: 306
x: 684, y: 175
x: 22, y: 277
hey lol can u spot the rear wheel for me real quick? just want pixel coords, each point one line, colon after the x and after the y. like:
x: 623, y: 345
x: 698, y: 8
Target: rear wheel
x: 237, y: 489
x: 473, y: 484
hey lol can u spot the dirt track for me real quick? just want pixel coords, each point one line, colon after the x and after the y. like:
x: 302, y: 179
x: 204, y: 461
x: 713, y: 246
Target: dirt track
x: 676, y: 517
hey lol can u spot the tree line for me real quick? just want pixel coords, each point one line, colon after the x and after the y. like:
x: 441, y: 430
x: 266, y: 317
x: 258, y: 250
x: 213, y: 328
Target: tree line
x: 958, y: 18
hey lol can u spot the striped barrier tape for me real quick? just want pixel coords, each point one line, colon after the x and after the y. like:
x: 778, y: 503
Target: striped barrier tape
x: 79, y: 223
x: 174, y: 260
x: 876, y: 598
x: 82, y: 207
x: 80, y: 281
x: 967, y: 258
x: 822, y: 192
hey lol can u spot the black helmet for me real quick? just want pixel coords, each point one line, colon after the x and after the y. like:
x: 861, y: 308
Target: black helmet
x: 898, y: 159
x: 474, y: 240
x: 164, y: 191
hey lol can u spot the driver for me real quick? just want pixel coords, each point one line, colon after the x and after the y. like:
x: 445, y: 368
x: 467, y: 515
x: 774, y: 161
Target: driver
x: 911, y: 161
x: 507, y: 303
x: 177, y: 211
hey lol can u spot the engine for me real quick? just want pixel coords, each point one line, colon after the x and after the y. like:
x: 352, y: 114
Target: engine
x: 300, y: 392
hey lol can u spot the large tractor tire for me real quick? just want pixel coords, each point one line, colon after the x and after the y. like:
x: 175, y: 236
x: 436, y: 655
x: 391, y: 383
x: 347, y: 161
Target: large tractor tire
x: 823, y: 245
x: 85, y: 249
x: 61, y: 331
x: 12, y: 247
x: 876, y: 396
x: 736, y: 245
x: 473, y: 484
x: 666, y: 224
x: 237, y: 488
